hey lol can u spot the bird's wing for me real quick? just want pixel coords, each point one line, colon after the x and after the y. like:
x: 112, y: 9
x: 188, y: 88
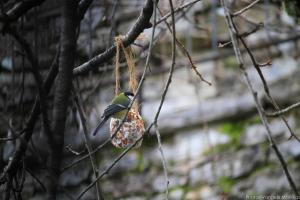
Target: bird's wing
x: 112, y: 109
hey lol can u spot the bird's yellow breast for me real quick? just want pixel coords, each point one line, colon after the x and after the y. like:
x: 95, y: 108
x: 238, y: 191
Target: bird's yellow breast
x: 120, y: 115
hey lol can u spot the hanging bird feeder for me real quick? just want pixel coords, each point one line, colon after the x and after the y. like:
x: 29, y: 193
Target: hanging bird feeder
x: 131, y: 130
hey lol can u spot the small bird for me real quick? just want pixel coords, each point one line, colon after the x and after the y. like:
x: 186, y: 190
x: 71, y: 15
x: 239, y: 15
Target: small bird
x: 117, y: 109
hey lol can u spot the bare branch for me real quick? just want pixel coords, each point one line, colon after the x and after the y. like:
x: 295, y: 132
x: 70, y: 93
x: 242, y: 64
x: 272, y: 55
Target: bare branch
x: 141, y: 24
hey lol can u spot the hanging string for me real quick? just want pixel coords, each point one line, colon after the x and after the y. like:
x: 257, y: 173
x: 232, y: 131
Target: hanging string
x: 117, y: 65
x: 133, y: 83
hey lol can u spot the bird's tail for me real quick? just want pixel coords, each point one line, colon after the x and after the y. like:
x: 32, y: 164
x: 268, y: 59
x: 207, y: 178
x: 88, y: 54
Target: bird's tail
x: 100, y: 125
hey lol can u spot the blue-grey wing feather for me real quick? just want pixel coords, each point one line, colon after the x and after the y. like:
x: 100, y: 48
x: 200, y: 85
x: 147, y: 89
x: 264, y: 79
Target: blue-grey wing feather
x: 112, y: 109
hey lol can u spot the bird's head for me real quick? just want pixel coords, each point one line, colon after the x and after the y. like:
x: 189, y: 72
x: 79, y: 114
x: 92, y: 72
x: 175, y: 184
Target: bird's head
x: 129, y: 95
x: 123, y: 98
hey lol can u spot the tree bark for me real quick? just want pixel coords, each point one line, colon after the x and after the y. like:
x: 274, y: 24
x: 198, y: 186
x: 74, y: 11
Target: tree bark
x: 62, y: 91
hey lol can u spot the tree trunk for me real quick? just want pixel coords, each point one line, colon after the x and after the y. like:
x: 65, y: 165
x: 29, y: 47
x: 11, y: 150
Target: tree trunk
x: 62, y: 91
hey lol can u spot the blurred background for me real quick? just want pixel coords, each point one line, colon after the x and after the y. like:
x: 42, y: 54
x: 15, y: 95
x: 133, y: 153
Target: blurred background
x: 212, y: 137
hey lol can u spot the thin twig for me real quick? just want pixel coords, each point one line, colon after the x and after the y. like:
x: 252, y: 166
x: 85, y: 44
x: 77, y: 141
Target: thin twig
x: 173, y: 31
x: 87, y: 142
x: 163, y: 159
x: 245, y: 9
x: 166, y: 16
x: 283, y: 111
x: 36, y: 178
x: 265, y: 64
x: 113, y: 22
x: 257, y: 27
x: 85, y: 156
x: 77, y: 153
x: 187, y: 54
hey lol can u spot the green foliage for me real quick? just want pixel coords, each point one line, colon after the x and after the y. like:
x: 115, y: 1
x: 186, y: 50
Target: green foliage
x: 226, y: 183
x: 233, y: 130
